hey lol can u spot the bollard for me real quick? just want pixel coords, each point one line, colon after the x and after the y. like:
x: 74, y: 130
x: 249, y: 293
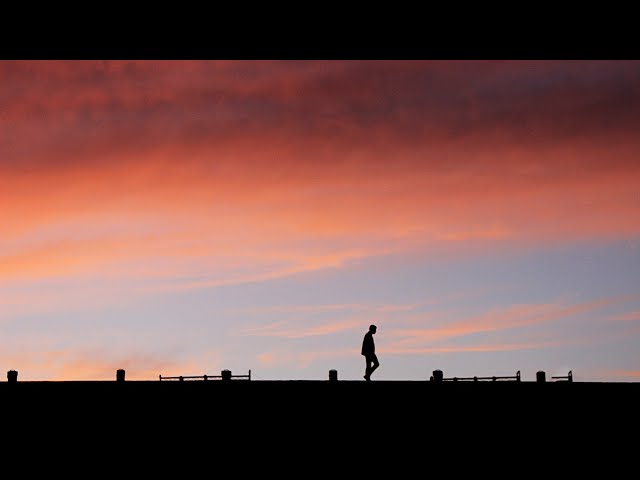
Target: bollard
x: 226, y: 375
x: 333, y: 375
x: 12, y: 376
x: 540, y: 377
x: 120, y: 375
x: 437, y: 376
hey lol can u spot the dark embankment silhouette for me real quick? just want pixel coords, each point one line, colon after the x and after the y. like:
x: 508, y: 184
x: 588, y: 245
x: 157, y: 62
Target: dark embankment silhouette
x: 273, y: 425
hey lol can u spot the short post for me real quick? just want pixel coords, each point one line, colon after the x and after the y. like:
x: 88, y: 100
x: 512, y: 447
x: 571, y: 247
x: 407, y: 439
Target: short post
x: 540, y: 377
x: 226, y: 375
x: 570, y: 377
x: 12, y: 376
x: 333, y: 375
x: 120, y: 375
x: 437, y: 376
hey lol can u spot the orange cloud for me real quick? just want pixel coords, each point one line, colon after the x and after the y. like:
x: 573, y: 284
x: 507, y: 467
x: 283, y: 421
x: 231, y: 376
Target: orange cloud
x: 220, y: 173
x: 625, y: 373
x: 266, y: 358
x: 230, y: 245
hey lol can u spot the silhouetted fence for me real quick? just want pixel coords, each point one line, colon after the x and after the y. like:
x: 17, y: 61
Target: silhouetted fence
x: 495, y: 378
x: 566, y: 378
x: 224, y: 375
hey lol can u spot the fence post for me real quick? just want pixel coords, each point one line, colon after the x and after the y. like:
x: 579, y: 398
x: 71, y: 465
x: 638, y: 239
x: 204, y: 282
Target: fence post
x: 12, y: 376
x: 540, y: 377
x: 333, y: 375
x: 226, y: 375
x: 120, y: 375
x: 437, y: 376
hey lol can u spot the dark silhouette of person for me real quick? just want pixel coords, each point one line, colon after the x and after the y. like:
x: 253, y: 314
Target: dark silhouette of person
x: 369, y: 352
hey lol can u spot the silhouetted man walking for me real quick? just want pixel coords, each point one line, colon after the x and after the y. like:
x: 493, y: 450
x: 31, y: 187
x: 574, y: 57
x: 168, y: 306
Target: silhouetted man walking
x: 369, y: 352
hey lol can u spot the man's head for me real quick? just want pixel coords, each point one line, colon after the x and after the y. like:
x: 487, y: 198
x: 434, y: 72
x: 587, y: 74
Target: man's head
x: 372, y: 328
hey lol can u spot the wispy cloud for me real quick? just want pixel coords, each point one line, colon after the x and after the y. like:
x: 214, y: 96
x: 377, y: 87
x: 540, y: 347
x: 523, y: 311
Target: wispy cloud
x: 627, y: 317
x: 627, y: 374
x: 400, y: 308
x: 302, y: 329
x: 504, y: 319
x: 498, y: 347
x: 361, y: 307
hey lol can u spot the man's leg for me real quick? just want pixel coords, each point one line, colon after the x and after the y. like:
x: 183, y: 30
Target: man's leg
x: 373, y: 359
x: 367, y: 370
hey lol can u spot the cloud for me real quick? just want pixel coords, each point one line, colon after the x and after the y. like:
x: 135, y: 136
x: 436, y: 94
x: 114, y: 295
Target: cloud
x: 498, y: 347
x: 627, y: 317
x: 501, y: 319
x: 331, y: 307
x: 189, y: 175
x: 625, y: 373
x: 302, y: 328
x: 119, y: 107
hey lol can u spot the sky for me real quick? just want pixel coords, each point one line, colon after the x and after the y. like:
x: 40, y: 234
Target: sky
x: 185, y: 217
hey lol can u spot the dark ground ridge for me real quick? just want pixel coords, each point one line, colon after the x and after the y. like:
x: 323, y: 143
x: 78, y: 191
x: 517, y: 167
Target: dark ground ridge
x: 298, y: 428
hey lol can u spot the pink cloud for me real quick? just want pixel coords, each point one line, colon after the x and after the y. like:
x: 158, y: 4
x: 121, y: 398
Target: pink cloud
x: 628, y: 317
x: 503, y: 319
x: 290, y: 330
x: 635, y: 374
x: 185, y: 175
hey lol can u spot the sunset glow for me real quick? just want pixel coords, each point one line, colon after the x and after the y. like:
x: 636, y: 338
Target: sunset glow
x: 181, y: 217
